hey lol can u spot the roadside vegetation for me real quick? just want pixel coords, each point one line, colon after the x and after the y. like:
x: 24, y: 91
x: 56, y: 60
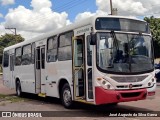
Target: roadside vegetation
x: 10, y: 99
x: 154, y: 24
x: 8, y: 40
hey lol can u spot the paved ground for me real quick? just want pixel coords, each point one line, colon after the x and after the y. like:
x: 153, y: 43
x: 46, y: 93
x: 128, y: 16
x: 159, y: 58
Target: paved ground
x: 34, y: 103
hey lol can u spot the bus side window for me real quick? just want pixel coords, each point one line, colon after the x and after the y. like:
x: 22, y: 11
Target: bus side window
x: 33, y: 53
x: 6, y: 59
x: 52, y: 49
x: 18, y: 54
x: 26, y: 55
x: 65, y: 49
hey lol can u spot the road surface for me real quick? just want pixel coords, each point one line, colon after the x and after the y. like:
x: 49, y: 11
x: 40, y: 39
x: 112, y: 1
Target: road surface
x: 80, y: 111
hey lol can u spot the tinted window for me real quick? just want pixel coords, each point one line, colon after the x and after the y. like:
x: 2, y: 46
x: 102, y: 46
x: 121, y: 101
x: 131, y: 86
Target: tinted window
x: 65, y: 39
x: 6, y: 59
x: 65, y: 50
x: 43, y: 58
x: 121, y: 24
x: 18, y: 56
x: 33, y: 53
x: 38, y: 58
x: 26, y: 55
x: 52, y: 49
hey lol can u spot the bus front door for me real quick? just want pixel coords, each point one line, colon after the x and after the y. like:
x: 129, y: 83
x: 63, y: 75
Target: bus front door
x: 40, y: 71
x: 79, y: 68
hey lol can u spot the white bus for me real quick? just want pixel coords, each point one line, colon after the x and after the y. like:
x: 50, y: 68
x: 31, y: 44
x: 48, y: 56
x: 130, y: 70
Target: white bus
x: 100, y: 60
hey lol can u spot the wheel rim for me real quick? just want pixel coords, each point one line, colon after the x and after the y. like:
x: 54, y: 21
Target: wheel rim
x: 67, y: 97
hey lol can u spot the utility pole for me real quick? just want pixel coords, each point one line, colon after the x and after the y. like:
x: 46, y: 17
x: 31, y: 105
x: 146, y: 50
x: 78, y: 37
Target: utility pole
x: 111, y: 7
x: 15, y: 32
x: 113, y: 10
x: 13, y: 29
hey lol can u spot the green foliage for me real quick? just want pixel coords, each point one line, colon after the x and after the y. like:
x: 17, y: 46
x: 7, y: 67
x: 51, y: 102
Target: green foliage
x: 8, y: 40
x: 11, y: 99
x: 155, y: 30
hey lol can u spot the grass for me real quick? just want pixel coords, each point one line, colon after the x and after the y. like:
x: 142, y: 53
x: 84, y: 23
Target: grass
x: 11, y: 99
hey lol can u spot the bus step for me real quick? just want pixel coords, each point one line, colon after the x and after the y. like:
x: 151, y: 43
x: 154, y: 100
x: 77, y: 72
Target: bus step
x: 42, y: 94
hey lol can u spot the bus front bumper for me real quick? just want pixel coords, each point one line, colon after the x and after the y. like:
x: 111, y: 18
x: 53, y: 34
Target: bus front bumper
x: 103, y: 96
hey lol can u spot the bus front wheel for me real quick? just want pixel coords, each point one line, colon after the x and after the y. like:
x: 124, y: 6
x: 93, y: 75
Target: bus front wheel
x: 18, y: 89
x: 66, y: 96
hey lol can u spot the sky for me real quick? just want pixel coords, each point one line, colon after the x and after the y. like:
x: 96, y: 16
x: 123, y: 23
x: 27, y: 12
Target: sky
x: 34, y: 17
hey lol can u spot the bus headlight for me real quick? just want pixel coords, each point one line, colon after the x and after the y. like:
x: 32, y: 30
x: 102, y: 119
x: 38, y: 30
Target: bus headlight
x: 104, y: 83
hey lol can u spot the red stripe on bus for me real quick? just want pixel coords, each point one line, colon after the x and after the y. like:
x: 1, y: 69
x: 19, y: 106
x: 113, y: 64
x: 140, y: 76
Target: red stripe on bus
x: 103, y: 96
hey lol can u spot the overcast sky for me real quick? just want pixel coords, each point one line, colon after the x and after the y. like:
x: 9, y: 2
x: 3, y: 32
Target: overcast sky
x: 32, y: 17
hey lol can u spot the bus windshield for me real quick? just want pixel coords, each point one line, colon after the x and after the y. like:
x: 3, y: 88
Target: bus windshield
x: 124, y: 53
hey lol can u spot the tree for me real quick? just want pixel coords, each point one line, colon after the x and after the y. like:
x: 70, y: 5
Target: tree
x: 154, y: 24
x: 8, y: 40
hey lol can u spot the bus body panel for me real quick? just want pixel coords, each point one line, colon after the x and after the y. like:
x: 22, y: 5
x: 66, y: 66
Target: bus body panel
x: 57, y: 71
x: 26, y: 76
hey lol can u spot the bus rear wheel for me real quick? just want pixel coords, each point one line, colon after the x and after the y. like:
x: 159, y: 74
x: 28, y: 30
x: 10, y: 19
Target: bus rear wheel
x: 66, y: 96
x: 18, y: 89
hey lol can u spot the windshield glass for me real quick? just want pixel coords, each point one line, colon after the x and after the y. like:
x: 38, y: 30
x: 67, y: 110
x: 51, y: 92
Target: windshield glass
x: 121, y: 24
x: 117, y: 52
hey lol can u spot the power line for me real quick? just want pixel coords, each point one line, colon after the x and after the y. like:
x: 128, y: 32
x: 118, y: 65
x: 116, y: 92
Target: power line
x: 12, y: 31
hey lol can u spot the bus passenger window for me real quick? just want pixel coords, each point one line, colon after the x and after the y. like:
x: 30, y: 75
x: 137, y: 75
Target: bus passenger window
x: 65, y: 50
x: 6, y: 59
x: 38, y: 58
x: 33, y: 53
x: 18, y: 56
x: 43, y: 58
x: 26, y: 55
x: 52, y: 49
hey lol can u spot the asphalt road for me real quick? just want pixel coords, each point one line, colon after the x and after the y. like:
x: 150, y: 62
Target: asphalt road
x: 80, y: 111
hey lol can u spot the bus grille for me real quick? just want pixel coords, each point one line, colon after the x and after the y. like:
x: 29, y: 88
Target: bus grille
x: 127, y: 95
x: 129, y: 79
x: 126, y: 86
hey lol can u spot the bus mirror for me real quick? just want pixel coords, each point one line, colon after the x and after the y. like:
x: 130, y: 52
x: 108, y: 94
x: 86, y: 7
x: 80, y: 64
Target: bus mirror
x: 93, y: 39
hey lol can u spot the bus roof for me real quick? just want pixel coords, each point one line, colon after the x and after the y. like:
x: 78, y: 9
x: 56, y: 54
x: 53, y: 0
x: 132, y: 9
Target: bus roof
x: 70, y: 27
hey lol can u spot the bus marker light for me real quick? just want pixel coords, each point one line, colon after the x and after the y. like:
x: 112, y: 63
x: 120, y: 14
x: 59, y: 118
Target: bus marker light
x: 103, y: 82
x: 99, y: 78
x: 108, y: 86
x: 149, y: 84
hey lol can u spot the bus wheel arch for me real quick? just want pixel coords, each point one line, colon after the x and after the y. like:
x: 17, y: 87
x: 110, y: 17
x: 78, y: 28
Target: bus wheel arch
x: 18, y: 87
x: 65, y: 93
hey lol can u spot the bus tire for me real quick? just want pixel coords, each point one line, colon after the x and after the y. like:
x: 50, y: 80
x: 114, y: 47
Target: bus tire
x: 18, y: 89
x: 66, y: 96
